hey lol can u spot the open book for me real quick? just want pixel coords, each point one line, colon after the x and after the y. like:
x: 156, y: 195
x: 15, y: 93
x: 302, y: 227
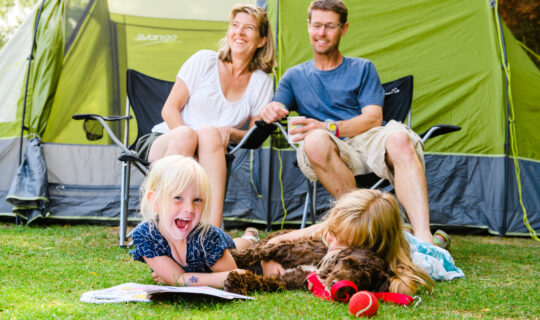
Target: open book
x: 144, y: 293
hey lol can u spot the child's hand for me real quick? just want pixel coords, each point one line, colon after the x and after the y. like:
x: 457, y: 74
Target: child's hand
x: 157, y: 278
x: 240, y: 271
x: 271, y: 267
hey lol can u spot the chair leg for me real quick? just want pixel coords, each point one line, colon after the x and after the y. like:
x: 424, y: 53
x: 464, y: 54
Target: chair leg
x: 310, y: 204
x: 314, y: 203
x: 229, y: 158
x: 124, y: 202
x: 306, y: 206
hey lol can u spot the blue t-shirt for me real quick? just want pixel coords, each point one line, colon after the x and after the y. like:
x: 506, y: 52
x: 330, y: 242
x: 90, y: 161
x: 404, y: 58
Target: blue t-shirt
x: 337, y: 94
x: 150, y: 243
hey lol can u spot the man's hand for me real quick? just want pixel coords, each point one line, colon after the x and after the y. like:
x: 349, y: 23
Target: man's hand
x: 273, y: 111
x: 304, y: 126
x: 271, y: 267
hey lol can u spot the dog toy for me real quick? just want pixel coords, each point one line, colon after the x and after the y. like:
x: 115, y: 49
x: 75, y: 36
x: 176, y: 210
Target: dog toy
x: 363, y: 304
x: 341, y: 291
x: 397, y: 298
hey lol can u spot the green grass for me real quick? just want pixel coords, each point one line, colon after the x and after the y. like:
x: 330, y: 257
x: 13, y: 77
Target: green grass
x: 45, y: 269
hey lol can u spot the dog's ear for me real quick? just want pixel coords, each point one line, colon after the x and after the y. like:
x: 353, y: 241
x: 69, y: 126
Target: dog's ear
x: 383, y: 283
x: 349, y: 262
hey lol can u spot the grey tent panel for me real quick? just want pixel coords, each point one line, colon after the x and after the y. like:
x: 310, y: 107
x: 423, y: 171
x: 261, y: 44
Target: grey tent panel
x: 460, y: 198
x: 28, y: 192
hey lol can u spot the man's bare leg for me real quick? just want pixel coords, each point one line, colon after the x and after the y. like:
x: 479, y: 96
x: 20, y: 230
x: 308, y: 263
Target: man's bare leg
x: 409, y: 183
x: 331, y: 171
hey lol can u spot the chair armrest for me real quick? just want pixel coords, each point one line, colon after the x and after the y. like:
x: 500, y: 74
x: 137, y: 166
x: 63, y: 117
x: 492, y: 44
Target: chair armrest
x: 438, y: 130
x: 134, y: 158
x: 140, y: 163
x: 91, y: 116
x: 255, y: 136
x: 102, y: 120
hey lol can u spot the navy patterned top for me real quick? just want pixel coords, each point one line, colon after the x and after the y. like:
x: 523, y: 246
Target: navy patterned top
x: 150, y: 243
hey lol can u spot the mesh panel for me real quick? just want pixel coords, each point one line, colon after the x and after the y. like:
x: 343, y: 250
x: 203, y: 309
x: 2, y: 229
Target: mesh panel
x: 93, y: 129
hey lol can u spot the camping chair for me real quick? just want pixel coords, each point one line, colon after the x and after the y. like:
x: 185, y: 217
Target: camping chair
x: 397, y: 106
x: 146, y: 96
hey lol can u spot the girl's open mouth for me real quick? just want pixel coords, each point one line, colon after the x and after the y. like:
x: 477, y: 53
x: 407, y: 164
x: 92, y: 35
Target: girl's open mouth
x: 182, y: 223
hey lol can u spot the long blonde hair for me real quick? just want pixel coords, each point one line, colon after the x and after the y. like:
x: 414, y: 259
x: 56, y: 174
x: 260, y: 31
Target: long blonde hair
x: 370, y: 219
x: 264, y: 57
x: 169, y: 177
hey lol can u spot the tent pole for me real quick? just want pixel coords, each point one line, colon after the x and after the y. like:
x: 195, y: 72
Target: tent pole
x: 271, y: 164
x: 502, y: 231
x: 30, y: 57
x: 270, y: 186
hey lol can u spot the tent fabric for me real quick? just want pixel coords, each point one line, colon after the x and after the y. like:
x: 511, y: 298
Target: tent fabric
x: 45, y: 67
x: 452, y: 50
x: 28, y: 193
x: 450, y: 47
x: 13, y: 67
x: 203, y: 10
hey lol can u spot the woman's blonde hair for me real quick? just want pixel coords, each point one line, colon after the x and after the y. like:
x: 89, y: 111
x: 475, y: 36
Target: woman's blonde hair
x: 168, y: 177
x: 264, y: 57
x: 370, y: 219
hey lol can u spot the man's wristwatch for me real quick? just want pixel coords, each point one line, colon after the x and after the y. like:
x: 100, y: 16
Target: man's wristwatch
x: 332, y: 127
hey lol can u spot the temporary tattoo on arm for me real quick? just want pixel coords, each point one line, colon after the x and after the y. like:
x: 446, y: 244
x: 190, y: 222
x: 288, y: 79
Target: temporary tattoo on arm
x: 190, y: 281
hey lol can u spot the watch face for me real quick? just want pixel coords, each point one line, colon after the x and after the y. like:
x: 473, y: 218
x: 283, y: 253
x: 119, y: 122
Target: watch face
x: 332, y: 127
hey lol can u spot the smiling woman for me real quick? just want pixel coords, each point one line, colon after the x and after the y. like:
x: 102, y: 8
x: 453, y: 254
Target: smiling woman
x: 215, y: 96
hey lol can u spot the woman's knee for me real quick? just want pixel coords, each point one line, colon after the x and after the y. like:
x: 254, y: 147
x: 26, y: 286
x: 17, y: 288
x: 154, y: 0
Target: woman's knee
x: 210, y: 136
x: 181, y: 140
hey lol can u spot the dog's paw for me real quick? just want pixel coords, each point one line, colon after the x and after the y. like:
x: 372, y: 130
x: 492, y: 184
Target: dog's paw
x: 235, y: 283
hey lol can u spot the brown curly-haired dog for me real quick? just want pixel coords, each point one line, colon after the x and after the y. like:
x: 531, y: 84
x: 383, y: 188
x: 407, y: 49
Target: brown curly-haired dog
x: 299, y: 258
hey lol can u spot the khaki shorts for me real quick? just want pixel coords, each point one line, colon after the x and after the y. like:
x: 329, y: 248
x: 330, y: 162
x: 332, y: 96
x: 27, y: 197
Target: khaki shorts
x: 365, y: 152
x: 142, y: 147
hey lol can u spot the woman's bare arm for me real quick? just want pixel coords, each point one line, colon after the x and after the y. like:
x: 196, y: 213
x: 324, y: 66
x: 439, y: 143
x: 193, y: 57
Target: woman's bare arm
x: 174, y: 104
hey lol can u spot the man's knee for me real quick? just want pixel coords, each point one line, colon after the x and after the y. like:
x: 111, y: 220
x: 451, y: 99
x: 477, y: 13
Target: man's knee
x: 318, y: 145
x: 399, y: 147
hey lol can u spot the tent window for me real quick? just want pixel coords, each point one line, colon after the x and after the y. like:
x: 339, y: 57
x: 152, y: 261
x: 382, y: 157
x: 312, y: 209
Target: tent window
x: 75, y: 12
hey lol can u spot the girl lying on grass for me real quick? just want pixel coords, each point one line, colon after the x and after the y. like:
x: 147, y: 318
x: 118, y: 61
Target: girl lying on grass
x: 368, y: 219
x: 176, y: 239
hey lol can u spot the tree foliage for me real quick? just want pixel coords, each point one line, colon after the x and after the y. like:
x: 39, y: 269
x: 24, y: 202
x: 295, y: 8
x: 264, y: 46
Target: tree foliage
x: 523, y: 19
x: 12, y: 14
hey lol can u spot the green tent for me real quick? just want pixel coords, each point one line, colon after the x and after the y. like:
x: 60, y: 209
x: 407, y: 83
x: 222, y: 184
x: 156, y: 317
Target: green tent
x: 82, y: 51
x: 456, y: 51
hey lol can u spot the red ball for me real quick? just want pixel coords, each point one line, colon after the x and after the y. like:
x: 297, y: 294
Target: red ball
x: 363, y: 304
